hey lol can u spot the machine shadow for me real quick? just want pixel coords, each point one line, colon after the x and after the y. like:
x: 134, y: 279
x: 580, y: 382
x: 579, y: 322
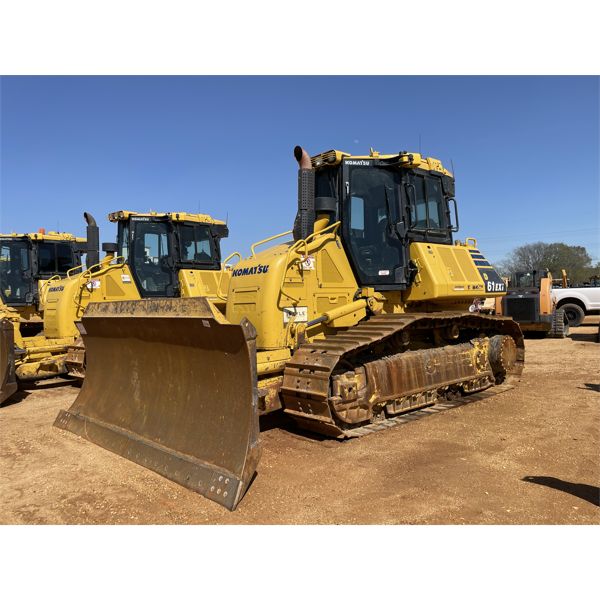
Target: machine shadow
x: 595, y: 387
x: 16, y: 398
x: 47, y: 384
x: 583, y: 337
x: 279, y: 420
x: 589, y: 493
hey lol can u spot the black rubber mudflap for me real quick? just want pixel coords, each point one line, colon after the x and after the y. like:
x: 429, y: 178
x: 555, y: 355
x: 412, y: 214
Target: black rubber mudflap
x: 7, y: 360
x: 171, y: 385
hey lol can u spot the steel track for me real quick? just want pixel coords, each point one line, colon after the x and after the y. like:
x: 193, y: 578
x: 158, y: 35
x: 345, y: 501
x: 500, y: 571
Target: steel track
x: 306, y: 383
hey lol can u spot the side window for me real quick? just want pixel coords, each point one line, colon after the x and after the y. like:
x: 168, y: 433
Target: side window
x: 123, y: 239
x: 155, y: 247
x: 418, y: 210
x: 427, y: 205
x: 24, y: 258
x: 357, y: 216
x: 46, y: 258
x: 196, y: 244
x: 64, y: 258
x: 434, y: 202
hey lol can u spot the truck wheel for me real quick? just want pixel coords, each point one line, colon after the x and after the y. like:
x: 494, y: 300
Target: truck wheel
x: 574, y: 314
x: 560, y: 324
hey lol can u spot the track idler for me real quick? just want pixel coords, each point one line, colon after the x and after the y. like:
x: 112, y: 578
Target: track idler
x: 171, y: 385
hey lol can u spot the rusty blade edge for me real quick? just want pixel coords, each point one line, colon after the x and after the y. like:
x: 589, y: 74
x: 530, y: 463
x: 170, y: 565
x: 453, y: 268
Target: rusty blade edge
x: 186, y: 470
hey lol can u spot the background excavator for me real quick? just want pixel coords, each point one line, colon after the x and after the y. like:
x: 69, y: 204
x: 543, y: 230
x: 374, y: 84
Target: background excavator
x: 156, y: 255
x: 359, y: 319
x: 29, y: 264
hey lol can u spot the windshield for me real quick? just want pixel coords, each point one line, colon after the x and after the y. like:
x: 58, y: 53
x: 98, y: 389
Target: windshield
x: 15, y: 275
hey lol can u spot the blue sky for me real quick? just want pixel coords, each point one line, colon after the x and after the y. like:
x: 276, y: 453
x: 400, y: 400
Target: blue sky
x: 524, y: 149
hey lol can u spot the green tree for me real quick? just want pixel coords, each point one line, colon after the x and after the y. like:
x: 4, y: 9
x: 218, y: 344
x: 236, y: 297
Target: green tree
x: 556, y: 256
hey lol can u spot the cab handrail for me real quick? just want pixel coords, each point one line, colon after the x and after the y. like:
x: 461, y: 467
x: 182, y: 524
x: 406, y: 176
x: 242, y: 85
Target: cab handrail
x: 302, y: 257
x: 269, y: 239
x: 223, y: 271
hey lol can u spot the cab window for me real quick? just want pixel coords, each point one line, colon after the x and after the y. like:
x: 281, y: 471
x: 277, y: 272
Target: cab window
x: 55, y: 257
x: 14, y: 266
x: 426, y: 201
x: 357, y: 216
x: 196, y: 244
x: 434, y: 202
x: 123, y: 239
x: 150, y: 265
x: 64, y: 258
x: 46, y: 258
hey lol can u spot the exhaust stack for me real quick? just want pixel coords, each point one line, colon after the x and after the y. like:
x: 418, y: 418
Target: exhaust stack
x: 93, y: 240
x: 304, y: 224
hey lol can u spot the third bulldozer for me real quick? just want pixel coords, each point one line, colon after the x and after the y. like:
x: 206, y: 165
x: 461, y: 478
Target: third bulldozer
x: 358, y: 319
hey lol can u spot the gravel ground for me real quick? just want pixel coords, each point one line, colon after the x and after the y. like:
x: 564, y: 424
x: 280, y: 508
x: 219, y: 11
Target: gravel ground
x: 530, y: 455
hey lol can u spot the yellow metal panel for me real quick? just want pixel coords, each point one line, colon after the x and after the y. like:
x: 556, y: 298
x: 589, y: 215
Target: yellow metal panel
x: 194, y: 283
x: 445, y: 273
x: 293, y: 279
x: 466, y: 264
x: 329, y: 273
x: 326, y: 303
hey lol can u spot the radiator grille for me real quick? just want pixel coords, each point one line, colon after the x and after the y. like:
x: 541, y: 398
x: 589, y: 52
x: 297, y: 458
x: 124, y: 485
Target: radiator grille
x: 521, y: 309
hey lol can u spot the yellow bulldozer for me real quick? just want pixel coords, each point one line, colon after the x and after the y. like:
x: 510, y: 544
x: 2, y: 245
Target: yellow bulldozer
x: 357, y: 322
x: 156, y: 255
x: 30, y: 263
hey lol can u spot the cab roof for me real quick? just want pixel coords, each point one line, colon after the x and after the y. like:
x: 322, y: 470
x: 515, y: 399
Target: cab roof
x: 408, y: 160
x: 50, y: 236
x: 125, y: 215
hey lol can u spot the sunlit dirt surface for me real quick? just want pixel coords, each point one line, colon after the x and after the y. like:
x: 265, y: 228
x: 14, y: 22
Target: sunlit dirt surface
x: 530, y: 455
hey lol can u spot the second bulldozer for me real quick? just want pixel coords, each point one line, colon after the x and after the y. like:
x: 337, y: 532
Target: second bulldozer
x: 156, y: 255
x: 30, y: 263
x: 360, y: 318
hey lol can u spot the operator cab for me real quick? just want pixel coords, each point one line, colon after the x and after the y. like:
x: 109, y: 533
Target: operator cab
x: 26, y: 259
x: 156, y: 246
x: 384, y: 203
x: 522, y: 280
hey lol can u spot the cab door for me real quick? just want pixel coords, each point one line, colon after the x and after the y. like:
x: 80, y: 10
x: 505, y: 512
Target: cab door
x: 151, y: 257
x: 374, y: 227
x: 16, y: 279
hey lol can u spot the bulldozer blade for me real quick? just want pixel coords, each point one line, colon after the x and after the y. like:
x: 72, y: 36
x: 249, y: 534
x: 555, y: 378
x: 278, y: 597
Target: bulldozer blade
x: 171, y: 385
x: 7, y: 360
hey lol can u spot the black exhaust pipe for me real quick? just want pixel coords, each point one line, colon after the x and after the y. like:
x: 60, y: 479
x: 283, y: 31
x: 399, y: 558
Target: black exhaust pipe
x: 93, y: 241
x: 304, y: 223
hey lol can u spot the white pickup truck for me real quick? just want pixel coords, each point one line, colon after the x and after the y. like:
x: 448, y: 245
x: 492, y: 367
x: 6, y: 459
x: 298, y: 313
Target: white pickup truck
x: 577, y: 302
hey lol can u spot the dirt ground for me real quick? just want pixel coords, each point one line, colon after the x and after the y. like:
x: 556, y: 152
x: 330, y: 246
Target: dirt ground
x: 530, y: 455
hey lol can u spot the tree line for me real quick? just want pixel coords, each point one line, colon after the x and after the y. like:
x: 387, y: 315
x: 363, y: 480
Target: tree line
x: 538, y: 256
